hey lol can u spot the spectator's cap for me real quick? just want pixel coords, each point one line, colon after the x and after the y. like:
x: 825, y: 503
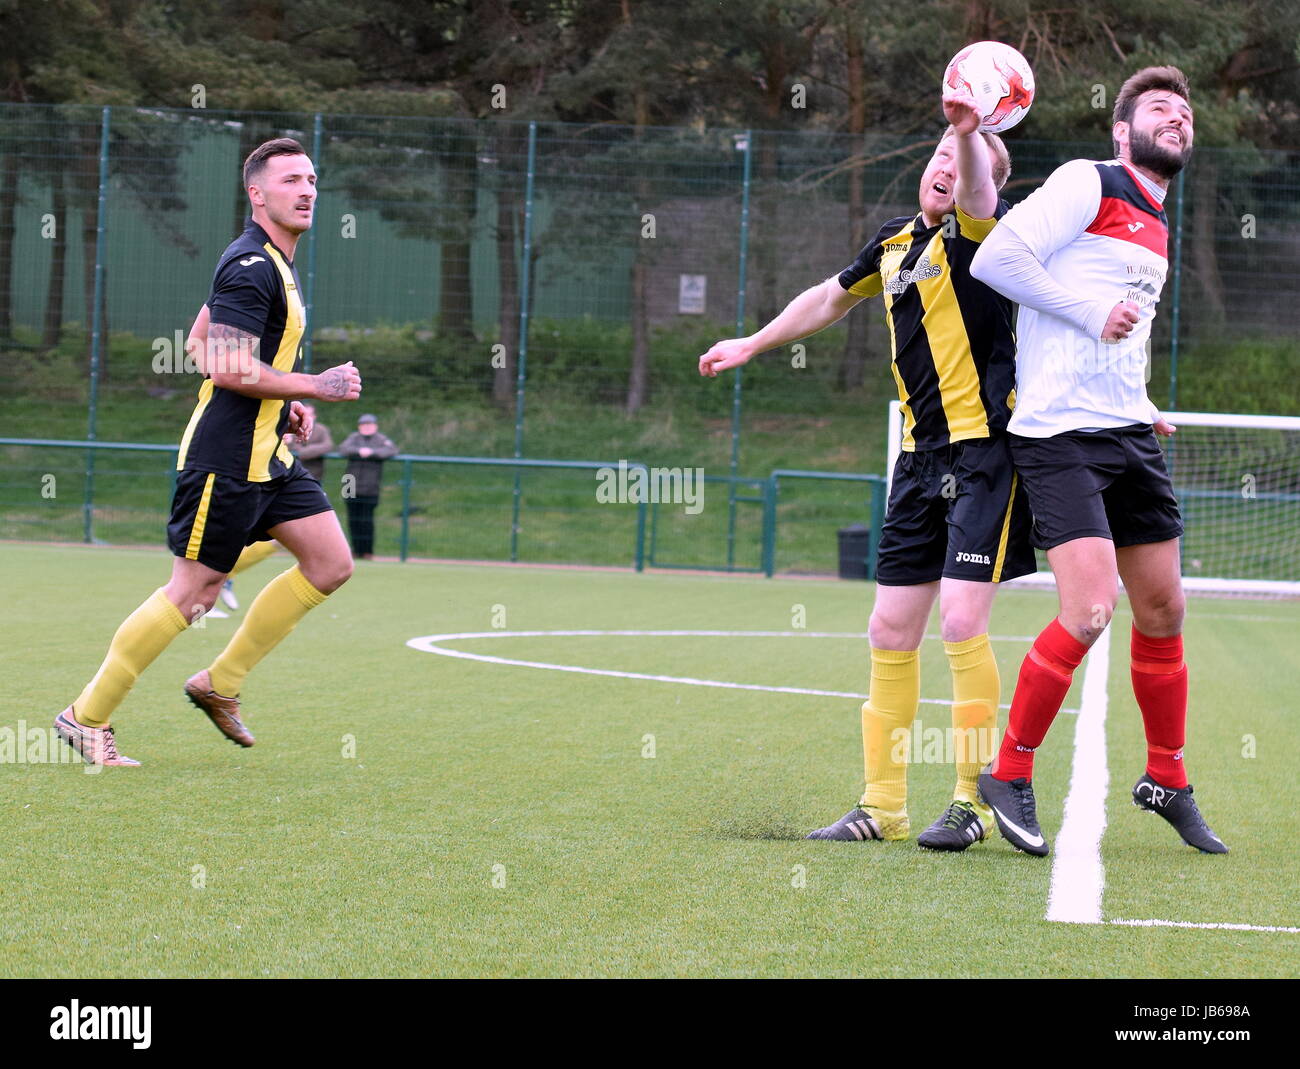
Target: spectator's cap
x: 367, y: 418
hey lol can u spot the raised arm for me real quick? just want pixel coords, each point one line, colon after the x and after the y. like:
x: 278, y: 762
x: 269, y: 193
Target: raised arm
x: 976, y: 192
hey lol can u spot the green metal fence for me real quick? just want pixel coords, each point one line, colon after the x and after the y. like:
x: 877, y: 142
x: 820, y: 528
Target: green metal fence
x: 542, y: 290
x: 46, y: 494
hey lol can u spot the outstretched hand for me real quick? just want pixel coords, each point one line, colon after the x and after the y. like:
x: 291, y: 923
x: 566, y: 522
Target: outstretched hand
x: 960, y: 109
x: 725, y: 355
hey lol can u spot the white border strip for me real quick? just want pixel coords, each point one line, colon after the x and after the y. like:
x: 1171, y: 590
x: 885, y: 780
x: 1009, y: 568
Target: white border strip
x: 1078, y: 876
x: 1233, y: 419
x: 1190, y: 924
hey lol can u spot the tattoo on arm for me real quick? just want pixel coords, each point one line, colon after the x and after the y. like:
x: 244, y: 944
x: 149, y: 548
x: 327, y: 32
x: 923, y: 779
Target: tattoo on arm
x: 333, y: 385
x: 227, y: 347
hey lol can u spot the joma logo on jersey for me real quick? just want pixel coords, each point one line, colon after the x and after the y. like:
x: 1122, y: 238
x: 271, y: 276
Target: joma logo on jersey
x: 972, y: 558
x: 924, y: 269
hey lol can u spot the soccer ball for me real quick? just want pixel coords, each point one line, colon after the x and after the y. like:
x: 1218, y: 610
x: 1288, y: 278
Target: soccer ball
x: 999, y: 79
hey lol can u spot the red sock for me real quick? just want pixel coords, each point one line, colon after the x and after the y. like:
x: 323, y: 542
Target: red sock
x: 1045, y: 677
x: 1160, y: 686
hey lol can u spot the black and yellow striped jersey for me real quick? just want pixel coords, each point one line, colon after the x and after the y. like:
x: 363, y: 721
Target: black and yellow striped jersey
x: 954, y: 347
x: 255, y: 288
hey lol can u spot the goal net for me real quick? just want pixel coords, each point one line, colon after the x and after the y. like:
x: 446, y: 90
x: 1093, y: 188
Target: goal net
x: 1237, y: 479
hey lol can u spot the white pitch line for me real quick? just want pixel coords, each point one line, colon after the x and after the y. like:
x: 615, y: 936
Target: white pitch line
x: 1191, y: 924
x: 431, y: 644
x: 1078, y: 876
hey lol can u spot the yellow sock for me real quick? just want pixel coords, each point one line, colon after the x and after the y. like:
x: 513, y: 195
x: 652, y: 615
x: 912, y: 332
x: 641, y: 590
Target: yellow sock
x: 143, y: 635
x: 886, y: 726
x: 975, y: 691
x: 258, y: 551
x: 275, y: 612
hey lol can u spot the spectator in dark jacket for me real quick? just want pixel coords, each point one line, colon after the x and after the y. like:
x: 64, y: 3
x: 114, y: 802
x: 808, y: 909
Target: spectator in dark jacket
x: 312, y: 451
x: 366, y: 450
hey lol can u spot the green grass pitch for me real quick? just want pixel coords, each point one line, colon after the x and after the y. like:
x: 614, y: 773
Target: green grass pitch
x: 509, y: 821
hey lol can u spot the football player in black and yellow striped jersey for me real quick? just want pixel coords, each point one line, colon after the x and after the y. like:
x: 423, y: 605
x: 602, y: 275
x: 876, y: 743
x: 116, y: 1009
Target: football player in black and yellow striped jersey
x: 957, y: 522
x: 237, y: 482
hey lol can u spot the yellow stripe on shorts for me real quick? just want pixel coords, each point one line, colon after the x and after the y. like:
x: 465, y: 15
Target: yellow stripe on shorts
x: 200, y: 519
x: 1006, y: 531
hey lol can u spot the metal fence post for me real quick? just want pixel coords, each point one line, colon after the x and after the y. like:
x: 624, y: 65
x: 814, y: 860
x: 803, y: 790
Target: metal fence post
x: 406, y: 510
x: 740, y: 329
x: 770, y: 494
x: 521, y: 368
x: 311, y: 253
x: 1177, y: 296
x: 96, y: 330
x: 640, y: 532
x: 878, y: 496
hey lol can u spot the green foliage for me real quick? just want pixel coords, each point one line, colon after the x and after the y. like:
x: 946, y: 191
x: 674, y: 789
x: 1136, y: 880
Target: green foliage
x: 1245, y: 375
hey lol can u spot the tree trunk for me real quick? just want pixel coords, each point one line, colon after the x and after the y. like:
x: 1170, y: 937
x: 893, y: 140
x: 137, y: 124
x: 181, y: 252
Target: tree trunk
x: 503, y: 377
x: 460, y: 196
x: 8, y: 203
x: 58, y: 262
x: 638, y: 383
x: 853, y: 362
x: 978, y: 20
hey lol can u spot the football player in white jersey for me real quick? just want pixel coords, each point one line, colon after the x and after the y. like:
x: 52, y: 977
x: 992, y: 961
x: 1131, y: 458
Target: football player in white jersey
x: 1085, y: 256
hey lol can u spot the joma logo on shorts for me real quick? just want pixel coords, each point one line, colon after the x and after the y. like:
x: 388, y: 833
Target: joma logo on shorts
x: 972, y: 558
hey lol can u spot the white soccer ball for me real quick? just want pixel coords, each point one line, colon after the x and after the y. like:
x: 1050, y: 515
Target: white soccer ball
x: 998, y: 77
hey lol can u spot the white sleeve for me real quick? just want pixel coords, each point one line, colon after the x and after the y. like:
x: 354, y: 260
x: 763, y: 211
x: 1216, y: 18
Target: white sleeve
x: 1006, y: 263
x: 1059, y: 210
x: 1011, y: 258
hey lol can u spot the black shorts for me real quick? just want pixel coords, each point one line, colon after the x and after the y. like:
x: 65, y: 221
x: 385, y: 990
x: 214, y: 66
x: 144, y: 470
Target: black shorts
x: 215, y: 516
x: 1098, y: 484
x: 957, y: 512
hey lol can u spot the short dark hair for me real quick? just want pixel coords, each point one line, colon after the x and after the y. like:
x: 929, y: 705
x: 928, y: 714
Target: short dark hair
x: 1002, y: 166
x: 256, y: 162
x: 1170, y: 79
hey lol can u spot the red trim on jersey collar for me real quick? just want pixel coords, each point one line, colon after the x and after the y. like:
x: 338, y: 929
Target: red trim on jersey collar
x: 1158, y: 205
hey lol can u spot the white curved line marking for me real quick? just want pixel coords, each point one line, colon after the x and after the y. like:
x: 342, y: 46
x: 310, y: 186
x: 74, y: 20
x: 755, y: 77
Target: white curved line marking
x: 432, y: 644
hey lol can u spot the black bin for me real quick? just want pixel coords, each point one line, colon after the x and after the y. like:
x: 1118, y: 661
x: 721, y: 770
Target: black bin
x: 855, y: 551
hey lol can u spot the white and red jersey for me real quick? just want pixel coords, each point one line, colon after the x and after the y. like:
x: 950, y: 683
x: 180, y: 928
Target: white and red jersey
x: 1099, y: 231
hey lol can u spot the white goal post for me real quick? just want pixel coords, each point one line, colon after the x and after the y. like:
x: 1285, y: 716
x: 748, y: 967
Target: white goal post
x: 1237, y: 479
